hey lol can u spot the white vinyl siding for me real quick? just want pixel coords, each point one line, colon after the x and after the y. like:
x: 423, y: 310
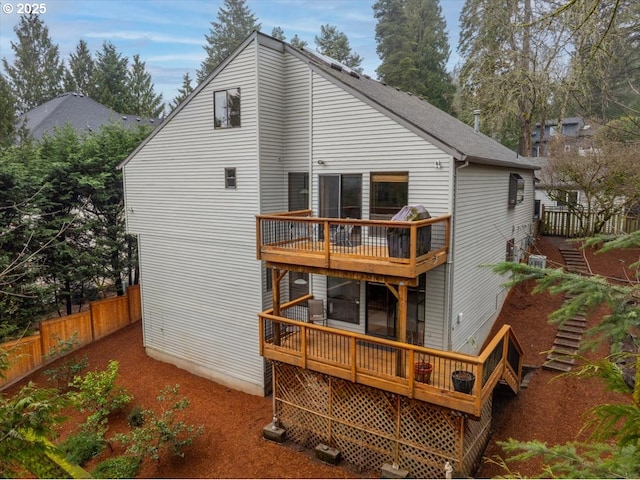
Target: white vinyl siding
x: 296, y: 123
x: 200, y: 280
x: 204, y: 312
x: 350, y: 136
x: 353, y: 137
x: 484, y: 222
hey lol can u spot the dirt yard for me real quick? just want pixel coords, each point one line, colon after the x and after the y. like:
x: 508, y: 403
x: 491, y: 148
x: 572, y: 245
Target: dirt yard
x: 549, y: 409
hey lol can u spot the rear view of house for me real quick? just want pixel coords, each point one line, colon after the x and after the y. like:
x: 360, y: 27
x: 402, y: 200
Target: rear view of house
x: 271, y: 192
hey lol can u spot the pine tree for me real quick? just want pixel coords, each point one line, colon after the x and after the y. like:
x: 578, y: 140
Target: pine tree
x: 613, y: 449
x: 297, y: 42
x: 414, y: 49
x: 278, y: 33
x: 144, y: 101
x: 7, y: 114
x: 109, y: 86
x: 183, y: 92
x: 335, y: 44
x: 37, y: 72
x: 79, y: 73
x: 235, y: 23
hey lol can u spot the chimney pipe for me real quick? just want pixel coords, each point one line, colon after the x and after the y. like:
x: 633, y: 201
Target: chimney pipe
x: 476, y: 121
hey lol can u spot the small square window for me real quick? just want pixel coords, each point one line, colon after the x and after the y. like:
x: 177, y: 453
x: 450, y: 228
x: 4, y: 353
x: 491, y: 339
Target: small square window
x: 226, y: 108
x: 230, y: 180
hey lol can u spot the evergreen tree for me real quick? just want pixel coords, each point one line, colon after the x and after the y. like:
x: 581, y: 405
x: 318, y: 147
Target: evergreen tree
x: 102, y: 187
x: 335, y: 44
x: 414, y: 49
x: 278, y: 33
x: 297, y: 42
x: 235, y: 23
x: 109, y: 86
x: 37, y: 73
x: 79, y: 74
x: 183, y: 92
x: 144, y: 101
x: 613, y: 449
x: 7, y: 113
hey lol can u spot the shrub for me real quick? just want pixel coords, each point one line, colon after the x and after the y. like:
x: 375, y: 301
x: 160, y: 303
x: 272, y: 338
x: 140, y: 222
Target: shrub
x: 99, y: 394
x: 82, y: 446
x: 118, y: 467
x: 136, y: 416
x: 162, y: 433
x: 62, y: 375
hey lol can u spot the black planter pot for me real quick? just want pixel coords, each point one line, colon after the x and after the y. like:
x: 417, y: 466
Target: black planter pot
x: 463, y: 381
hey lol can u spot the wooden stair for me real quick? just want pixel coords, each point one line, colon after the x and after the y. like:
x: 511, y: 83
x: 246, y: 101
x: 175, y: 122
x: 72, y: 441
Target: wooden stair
x: 561, y: 357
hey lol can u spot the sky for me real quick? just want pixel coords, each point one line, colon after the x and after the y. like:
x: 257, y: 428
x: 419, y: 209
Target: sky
x: 169, y: 35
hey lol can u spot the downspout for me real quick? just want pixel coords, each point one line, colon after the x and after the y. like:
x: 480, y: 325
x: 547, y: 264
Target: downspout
x: 449, y: 305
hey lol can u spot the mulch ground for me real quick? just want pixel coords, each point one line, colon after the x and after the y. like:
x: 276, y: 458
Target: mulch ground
x: 550, y: 409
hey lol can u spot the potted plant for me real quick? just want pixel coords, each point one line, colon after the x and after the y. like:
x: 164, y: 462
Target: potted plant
x: 463, y: 381
x: 422, y: 372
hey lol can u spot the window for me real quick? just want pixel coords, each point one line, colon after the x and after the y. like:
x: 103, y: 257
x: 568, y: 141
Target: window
x: 567, y: 198
x: 298, y: 191
x: 226, y: 108
x: 269, y: 279
x: 298, y: 284
x: 343, y: 300
x: 389, y: 193
x: 516, y: 189
x: 230, y: 180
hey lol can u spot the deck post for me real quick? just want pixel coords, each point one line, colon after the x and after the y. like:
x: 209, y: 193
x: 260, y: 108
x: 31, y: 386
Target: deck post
x: 402, y: 327
x: 275, y: 277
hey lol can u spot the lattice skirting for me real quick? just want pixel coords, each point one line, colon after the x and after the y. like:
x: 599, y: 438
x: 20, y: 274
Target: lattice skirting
x: 372, y: 427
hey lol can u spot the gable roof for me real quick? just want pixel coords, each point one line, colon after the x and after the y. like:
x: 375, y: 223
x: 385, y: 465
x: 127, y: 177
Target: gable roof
x: 81, y: 112
x: 447, y: 132
x: 456, y: 138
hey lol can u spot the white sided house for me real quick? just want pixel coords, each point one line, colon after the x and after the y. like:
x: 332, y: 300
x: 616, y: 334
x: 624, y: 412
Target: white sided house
x: 401, y: 304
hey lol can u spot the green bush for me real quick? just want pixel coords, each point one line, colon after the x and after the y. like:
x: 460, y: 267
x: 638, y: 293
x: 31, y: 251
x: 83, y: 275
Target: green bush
x: 98, y: 393
x: 62, y: 375
x: 118, y: 467
x: 82, y: 446
x: 136, y: 417
x: 164, y: 433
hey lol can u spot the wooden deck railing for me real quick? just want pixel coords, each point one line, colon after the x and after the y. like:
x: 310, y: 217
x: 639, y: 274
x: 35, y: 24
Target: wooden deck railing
x: 390, y: 365
x: 403, y: 249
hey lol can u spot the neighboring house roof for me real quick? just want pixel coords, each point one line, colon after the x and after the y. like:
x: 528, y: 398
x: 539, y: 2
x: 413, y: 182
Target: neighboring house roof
x: 81, y: 112
x: 569, y: 127
x: 447, y: 132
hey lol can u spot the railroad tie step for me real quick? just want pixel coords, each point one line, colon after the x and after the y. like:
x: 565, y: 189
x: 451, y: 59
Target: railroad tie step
x: 569, y: 335
x: 562, y: 353
x: 577, y: 323
x: 569, y: 329
x: 553, y: 365
x: 566, y: 343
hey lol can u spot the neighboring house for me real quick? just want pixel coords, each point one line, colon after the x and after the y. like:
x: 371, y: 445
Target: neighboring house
x: 275, y: 129
x: 81, y: 112
x: 577, y: 135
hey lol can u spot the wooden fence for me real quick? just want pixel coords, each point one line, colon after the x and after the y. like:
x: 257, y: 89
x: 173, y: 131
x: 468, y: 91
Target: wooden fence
x: 103, y: 317
x: 560, y: 222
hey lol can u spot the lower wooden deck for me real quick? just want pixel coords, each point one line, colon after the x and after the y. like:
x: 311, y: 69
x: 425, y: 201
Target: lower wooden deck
x: 393, y: 366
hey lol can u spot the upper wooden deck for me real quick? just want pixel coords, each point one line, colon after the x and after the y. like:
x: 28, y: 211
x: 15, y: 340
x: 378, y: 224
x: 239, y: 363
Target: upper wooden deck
x: 368, y: 249
x: 389, y: 365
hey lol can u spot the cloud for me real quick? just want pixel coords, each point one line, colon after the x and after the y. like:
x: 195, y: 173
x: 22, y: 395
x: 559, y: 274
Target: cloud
x: 152, y: 36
